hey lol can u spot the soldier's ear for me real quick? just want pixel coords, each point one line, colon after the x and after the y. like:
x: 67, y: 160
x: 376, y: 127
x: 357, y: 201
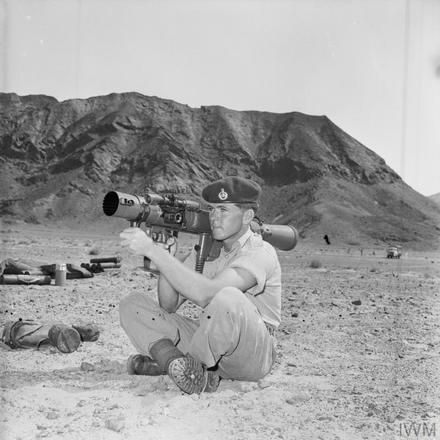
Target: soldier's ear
x: 248, y: 216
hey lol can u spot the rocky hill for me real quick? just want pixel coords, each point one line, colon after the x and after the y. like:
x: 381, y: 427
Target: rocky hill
x: 58, y: 159
x: 435, y: 198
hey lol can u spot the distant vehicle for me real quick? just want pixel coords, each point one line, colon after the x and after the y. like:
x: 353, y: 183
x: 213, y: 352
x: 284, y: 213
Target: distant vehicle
x: 394, y: 252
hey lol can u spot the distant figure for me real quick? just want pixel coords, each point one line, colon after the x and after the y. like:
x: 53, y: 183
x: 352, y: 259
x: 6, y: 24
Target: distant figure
x: 327, y: 239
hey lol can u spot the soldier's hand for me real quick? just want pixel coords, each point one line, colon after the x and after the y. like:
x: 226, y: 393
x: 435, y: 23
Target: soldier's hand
x: 136, y: 240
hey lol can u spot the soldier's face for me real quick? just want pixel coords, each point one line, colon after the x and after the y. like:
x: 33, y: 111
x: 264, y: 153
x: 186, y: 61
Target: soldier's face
x: 226, y: 220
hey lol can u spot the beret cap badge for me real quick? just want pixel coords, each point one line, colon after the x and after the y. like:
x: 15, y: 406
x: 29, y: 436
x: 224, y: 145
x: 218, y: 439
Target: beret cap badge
x: 232, y: 189
x: 223, y: 195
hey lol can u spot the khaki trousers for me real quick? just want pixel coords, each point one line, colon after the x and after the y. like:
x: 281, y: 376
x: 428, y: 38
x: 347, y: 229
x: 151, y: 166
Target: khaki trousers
x: 230, y: 333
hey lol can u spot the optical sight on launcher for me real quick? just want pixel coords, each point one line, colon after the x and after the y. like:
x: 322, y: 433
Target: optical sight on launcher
x: 166, y: 215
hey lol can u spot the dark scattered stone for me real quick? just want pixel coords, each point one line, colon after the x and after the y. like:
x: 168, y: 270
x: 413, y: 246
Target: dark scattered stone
x: 357, y: 302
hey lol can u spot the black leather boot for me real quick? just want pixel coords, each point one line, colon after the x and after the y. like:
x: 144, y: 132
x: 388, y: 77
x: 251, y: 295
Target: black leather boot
x: 140, y: 364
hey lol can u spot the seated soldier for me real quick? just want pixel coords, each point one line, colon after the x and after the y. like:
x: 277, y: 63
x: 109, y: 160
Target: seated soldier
x: 240, y: 293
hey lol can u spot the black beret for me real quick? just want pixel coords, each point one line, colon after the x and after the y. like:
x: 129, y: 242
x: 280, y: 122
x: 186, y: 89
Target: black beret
x: 232, y: 190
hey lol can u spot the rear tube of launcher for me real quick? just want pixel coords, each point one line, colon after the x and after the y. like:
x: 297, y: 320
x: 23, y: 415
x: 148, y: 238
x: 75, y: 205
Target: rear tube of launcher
x: 283, y: 237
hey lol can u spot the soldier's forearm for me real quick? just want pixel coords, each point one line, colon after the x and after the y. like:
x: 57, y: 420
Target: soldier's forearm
x: 169, y: 299
x: 188, y: 283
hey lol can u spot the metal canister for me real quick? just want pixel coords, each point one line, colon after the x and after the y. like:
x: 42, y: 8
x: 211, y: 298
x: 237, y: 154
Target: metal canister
x: 60, y: 274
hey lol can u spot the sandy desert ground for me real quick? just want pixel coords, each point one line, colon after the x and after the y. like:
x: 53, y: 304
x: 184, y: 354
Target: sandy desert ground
x: 359, y: 352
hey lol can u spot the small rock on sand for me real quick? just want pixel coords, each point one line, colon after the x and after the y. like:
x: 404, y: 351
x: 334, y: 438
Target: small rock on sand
x: 115, y: 424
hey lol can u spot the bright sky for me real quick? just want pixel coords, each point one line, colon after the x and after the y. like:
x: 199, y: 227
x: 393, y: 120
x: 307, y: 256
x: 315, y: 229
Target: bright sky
x: 373, y: 67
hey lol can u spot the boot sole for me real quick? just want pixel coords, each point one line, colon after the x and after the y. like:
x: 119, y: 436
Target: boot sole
x: 68, y: 340
x: 191, y: 377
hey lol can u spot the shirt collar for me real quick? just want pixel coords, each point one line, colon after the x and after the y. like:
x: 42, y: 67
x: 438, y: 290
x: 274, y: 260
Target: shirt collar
x: 244, y: 238
x: 240, y: 242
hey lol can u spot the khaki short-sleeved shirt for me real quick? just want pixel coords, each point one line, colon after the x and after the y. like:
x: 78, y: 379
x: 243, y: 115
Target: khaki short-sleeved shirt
x: 259, y: 258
